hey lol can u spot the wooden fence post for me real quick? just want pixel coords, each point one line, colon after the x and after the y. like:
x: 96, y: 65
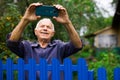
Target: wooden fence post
x: 9, y: 65
x: 102, y: 75
x: 117, y: 74
x: 82, y: 69
x: 91, y: 75
x: 32, y: 69
x: 55, y: 69
x: 68, y: 69
x: 21, y: 71
x: 1, y: 71
x: 43, y: 69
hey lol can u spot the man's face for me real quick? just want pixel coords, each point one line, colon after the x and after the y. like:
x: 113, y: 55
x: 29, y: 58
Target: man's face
x: 45, y: 30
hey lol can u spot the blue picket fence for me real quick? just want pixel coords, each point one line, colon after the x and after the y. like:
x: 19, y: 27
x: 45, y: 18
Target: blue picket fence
x: 55, y: 67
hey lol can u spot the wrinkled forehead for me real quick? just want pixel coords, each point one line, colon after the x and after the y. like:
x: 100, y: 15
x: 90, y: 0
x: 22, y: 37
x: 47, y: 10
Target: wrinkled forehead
x: 45, y: 21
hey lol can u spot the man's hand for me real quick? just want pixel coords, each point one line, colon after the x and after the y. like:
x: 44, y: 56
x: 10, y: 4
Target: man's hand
x: 64, y: 19
x: 30, y: 12
x: 28, y: 16
x: 63, y: 15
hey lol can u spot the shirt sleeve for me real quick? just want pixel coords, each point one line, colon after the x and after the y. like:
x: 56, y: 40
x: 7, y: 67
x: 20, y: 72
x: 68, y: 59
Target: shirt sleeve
x: 16, y: 47
x: 68, y: 49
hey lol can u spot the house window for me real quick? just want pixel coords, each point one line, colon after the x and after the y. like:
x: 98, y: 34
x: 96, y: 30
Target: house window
x: 107, y: 41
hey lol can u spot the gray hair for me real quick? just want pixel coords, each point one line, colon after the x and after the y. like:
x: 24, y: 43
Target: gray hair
x: 43, y: 20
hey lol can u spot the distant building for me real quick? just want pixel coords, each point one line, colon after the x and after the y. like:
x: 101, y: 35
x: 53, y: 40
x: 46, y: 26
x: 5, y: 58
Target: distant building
x: 106, y: 38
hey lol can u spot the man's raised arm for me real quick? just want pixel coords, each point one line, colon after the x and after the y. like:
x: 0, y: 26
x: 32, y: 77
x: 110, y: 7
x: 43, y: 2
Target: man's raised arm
x: 28, y: 16
x: 64, y: 19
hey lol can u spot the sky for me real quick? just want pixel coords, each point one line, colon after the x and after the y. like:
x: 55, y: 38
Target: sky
x: 105, y: 4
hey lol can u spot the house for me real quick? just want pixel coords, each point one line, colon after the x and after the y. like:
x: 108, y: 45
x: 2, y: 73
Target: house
x: 105, y: 38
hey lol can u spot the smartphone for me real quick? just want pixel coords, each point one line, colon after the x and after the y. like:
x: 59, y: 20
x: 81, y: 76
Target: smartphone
x: 46, y: 10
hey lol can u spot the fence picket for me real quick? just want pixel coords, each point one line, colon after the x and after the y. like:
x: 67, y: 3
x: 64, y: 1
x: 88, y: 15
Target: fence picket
x: 68, y: 69
x: 43, y: 69
x: 102, y: 75
x: 55, y: 69
x: 1, y: 72
x: 82, y: 70
x: 20, y: 69
x: 9, y: 69
x: 117, y: 74
x: 90, y: 75
x: 32, y: 69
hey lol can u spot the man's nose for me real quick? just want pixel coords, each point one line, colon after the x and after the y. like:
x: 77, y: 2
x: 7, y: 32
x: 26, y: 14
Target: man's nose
x: 45, y: 28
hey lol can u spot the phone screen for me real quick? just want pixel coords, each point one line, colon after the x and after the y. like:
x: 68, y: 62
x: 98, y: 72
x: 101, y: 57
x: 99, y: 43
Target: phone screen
x: 45, y: 10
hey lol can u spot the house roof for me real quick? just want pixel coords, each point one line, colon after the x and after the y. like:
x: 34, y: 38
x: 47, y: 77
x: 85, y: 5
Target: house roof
x: 102, y: 30
x: 97, y: 32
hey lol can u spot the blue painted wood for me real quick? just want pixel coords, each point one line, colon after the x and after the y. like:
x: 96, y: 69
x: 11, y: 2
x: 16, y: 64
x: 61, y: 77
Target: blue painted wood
x: 102, y: 75
x: 32, y: 69
x: 43, y: 69
x: 117, y: 74
x: 68, y: 69
x: 21, y: 74
x: 82, y: 69
x: 1, y: 72
x: 91, y: 75
x: 55, y: 69
x: 9, y: 69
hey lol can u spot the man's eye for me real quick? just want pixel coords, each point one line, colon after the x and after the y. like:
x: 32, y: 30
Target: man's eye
x: 49, y: 27
x: 41, y: 26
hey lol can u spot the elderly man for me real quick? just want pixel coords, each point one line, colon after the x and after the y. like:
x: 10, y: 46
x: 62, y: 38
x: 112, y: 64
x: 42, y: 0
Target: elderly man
x: 44, y: 31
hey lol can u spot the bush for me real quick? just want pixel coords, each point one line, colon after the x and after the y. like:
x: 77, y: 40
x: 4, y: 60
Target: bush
x: 108, y: 60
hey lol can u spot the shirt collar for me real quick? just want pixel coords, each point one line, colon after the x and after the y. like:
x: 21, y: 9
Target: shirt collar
x: 36, y: 44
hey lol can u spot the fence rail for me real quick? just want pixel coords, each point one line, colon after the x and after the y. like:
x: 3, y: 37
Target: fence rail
x: 55, y: 67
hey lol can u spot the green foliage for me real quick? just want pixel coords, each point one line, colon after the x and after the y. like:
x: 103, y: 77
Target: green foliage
x: 109, y: 60
x: 8, y: 21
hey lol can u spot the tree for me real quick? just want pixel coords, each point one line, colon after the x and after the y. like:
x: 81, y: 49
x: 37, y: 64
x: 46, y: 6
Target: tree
x: 8, y: 21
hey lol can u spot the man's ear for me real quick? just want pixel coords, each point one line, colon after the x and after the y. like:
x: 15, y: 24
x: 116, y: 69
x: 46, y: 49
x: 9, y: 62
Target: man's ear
x: 53, y: 33
x: 35, y: 31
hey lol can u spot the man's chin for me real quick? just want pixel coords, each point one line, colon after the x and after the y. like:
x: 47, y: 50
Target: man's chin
x: 45, y: 38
